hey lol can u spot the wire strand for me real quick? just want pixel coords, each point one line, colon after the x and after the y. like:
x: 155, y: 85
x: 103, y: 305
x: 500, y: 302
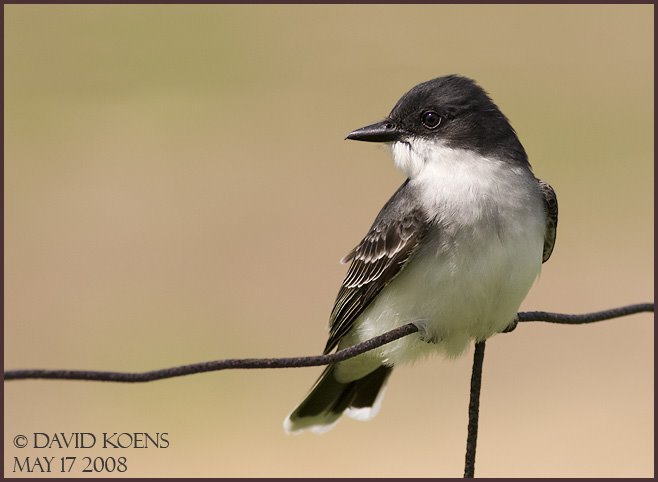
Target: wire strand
x: 474, y: 410
x: 297, y: 362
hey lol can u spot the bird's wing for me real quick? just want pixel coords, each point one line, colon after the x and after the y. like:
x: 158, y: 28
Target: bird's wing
x: 377, y: 259
x: 550, y: 203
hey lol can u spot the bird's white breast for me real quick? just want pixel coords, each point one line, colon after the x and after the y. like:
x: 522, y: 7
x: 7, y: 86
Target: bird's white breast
x: 474, y: 267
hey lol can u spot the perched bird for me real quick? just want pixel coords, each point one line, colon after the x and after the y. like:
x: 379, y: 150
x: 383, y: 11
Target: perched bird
x: 454, y: 251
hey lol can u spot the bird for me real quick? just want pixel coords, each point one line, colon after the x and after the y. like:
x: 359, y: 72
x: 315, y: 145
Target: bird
x: 454, y: 251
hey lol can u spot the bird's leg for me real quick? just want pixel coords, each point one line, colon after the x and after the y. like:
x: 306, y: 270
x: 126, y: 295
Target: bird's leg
x: 512, y: 325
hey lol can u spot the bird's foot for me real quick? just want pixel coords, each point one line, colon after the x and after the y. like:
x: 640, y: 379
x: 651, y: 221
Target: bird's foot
x: 512, y: 326
x: 424, y: 333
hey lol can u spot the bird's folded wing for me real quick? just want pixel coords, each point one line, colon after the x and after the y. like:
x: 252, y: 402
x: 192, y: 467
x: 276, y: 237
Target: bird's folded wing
x: 377, y: 259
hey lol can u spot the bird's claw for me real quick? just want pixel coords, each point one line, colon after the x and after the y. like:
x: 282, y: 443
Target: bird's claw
x: 424, y: 334
x: 512, y: 326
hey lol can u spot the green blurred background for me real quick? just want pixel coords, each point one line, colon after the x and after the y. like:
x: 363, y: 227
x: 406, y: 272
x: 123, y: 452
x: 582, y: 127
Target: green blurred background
x: 177, y: 189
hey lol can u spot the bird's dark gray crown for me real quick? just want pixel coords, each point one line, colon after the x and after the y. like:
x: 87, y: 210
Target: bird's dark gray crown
x: 469, y: 119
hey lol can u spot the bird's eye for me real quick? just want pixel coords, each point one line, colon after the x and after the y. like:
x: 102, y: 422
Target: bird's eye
x: 430, y: 119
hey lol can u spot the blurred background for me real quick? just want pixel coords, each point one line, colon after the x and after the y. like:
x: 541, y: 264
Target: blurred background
x: 177, y: 189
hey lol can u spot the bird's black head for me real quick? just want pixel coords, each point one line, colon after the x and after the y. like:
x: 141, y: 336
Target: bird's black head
x: 453, y: 110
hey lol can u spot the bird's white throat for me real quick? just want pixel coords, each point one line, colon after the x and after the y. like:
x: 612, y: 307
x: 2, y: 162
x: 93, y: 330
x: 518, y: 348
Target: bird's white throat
x: 459, y: 180
x: 415, y: 155
x: 410, y: 156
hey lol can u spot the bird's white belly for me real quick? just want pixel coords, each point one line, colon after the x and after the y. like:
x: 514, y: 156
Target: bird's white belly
x: 455, y: 297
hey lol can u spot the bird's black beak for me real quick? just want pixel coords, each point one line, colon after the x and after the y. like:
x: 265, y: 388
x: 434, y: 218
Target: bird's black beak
x: 384, y: 131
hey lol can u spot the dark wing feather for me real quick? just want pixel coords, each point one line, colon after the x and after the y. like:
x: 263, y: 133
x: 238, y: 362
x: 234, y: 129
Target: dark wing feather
x: 375, y: 262
x: 550, y: 203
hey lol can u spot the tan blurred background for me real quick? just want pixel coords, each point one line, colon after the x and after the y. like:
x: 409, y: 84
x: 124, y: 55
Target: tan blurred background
x: 177, y: 189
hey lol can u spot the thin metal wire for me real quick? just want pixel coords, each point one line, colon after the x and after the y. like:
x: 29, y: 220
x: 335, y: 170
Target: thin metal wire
x: 474, y: 410
x: 216, y: 365
x: 296, y: 362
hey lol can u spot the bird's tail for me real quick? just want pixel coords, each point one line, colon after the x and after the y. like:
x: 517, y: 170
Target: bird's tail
x: 329, y: 398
